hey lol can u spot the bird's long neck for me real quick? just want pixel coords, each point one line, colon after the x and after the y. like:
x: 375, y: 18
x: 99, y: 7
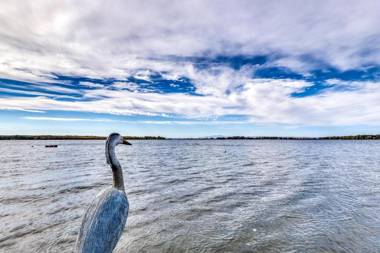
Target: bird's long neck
x: 118, y: 181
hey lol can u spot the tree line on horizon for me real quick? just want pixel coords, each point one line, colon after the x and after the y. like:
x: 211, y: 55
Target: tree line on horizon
x: 349, y: 137
x: 78, y: 137
x: 73, y: 137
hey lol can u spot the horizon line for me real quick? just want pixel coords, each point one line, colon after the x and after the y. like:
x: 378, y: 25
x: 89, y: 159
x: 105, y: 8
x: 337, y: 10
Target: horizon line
x: 158, y: 137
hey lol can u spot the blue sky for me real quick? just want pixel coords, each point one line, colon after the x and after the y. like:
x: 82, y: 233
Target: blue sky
x: 190, y: 69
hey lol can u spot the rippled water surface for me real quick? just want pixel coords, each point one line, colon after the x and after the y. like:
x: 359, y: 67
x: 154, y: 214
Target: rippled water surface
x: 197, y: 196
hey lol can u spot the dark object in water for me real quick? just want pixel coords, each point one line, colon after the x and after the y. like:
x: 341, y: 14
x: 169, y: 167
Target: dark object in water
x: 51, y: 146
x: 105, y: 219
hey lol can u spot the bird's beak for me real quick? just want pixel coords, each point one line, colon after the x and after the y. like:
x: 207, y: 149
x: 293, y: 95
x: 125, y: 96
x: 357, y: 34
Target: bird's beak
x: 125, y: 142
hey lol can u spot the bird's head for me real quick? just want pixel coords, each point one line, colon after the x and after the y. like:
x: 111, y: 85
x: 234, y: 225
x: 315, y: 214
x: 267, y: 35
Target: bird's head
x: 113, y: 140
x: 117, y: 139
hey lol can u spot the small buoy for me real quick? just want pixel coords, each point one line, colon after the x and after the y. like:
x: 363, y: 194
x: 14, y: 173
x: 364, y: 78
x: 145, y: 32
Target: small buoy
x: 51, y: 146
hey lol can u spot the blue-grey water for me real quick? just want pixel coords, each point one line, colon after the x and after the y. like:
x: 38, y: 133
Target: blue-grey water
x: 197, y: 196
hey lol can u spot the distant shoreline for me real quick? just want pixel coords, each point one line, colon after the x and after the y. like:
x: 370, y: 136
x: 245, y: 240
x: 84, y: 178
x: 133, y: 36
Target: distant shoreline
x: 79, y: 137
x: 72, y: 137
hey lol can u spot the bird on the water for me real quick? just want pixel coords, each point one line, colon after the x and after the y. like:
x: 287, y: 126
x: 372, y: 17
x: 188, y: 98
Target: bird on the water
x: 105, y: 219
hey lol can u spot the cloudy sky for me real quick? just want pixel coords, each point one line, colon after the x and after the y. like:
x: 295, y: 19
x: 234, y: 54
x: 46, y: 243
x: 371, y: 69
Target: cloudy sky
x: 190, y: 68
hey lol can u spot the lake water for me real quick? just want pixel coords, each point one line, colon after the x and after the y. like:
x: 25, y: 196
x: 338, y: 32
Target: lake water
x: 197, y: 196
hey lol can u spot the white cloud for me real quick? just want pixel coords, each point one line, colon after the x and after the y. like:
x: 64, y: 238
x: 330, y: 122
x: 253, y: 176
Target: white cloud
x: 120, y: 38
x: 65, y: 119
x: 263, y: 101
x: 157, y: 122
x: 125, y: 85
x: 94, y: 38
